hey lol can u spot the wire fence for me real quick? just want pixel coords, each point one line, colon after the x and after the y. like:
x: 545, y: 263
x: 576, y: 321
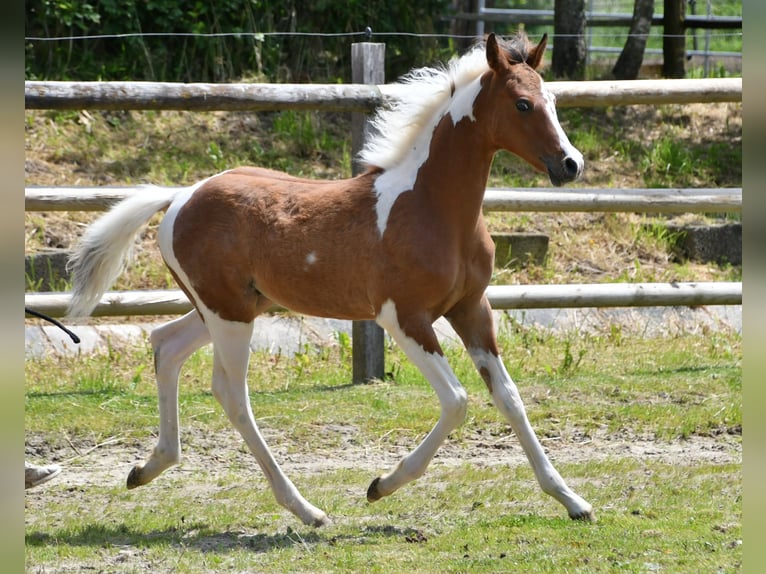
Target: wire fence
x: 306, y: 55
x: 260, y: 36
x: 608, y: 29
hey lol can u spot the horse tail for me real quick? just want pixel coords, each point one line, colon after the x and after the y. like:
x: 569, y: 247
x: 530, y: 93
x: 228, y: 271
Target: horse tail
x: 106, y: 246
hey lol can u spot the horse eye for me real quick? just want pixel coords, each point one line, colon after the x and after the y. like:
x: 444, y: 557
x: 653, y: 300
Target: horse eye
x: 523, y: 105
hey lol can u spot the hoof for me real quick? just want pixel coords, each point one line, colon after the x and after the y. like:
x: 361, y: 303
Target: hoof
x: 323, y: 520
x: 134, y: 479
x: 373, y: 493
x: 585, y: 516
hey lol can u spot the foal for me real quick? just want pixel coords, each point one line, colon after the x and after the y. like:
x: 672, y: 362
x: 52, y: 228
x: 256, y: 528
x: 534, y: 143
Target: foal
x: 403, y: 243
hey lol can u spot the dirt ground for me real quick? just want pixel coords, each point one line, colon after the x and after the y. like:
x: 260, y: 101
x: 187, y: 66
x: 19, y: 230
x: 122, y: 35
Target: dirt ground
x: 109, y: 463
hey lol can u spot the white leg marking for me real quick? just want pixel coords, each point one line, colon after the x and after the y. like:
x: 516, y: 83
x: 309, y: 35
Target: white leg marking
x: 173, y: 343
x: 231, y: 351
x: 452, y: 398
x: 506, y: 397
x: 231, y: 348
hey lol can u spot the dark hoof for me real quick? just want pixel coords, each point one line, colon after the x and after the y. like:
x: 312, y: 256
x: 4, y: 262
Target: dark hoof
x: 372, y: 492
x: 133, y: 479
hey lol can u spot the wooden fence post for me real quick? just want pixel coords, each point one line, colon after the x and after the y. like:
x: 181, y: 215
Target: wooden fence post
x: 367, y: 67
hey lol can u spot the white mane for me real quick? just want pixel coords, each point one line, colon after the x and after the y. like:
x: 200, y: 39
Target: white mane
x: 421, y: 95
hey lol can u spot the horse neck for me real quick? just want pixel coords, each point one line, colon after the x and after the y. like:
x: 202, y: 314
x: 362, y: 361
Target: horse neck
x: 454, y: 177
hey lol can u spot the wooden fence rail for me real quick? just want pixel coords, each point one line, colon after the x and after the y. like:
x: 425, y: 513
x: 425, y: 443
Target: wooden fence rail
x: 174, y: 302
x: 667, y: 200
x: 715, y: 200
x: 345, y: 97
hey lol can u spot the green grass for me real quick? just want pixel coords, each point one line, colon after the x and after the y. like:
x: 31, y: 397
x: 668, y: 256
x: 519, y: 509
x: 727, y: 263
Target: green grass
x: 483, y: 527
x: 668, y: 513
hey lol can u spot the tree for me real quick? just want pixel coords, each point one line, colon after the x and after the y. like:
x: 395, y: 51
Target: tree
x: 674, y: 40
x: 632, y: 55
x: 569, y: 50
x: 460, y: 27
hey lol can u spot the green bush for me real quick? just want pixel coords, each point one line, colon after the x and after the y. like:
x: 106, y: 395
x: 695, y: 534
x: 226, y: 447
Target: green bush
x: 292, y: 58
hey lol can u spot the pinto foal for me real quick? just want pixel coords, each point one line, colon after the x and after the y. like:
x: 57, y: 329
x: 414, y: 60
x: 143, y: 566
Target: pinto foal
x: 402, y: 244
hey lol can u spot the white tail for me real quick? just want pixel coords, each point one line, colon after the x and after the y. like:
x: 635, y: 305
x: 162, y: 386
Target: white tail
x: 106, y: 246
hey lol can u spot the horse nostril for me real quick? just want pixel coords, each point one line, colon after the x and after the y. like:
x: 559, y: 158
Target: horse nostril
x: 571, y: 166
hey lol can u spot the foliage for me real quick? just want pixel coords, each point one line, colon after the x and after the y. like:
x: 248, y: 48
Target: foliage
x: 179, y: 57
x: 285, y: 57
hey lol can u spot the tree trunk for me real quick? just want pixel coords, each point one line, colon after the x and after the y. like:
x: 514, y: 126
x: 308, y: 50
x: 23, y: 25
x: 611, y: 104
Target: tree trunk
x: 464, y: 28
x: 632, y: 55
x: 674, y: 41
x: 569, y: 50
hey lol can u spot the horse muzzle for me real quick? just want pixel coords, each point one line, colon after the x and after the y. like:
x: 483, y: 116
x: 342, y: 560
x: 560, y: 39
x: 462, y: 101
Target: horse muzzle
x: 561, y: 171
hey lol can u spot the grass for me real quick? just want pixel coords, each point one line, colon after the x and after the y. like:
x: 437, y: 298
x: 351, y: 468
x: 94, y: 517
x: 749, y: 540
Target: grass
x: 592, y: 399
x: 484, y: 533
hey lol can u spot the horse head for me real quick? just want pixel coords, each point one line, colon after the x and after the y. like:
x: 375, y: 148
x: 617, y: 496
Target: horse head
x: 524, y: 110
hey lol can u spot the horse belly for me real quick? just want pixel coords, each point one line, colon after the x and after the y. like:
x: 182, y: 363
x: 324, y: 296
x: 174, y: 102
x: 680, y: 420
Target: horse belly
x: 312, y: 288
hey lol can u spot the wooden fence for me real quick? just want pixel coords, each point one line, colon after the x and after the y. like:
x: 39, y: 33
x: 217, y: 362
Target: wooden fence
x: 674, y: 22
x: 346, y: 97
x: 541, y: 199
x: 364, y: 98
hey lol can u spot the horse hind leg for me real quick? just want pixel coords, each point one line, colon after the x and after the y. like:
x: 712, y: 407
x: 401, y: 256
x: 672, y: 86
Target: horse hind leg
x: 173, y: 344
x: 231, y: 351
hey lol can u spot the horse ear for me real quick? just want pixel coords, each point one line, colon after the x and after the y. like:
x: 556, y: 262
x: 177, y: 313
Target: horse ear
x: 495, y: 58
x: 535, y: 58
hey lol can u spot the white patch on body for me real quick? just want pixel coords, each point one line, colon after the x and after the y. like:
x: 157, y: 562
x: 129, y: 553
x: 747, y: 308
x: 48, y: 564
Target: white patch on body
x: 404, y: 127
x: 462, y: 102
x: 165, y: 238
x: 311, y: 259
x: 393, y: 182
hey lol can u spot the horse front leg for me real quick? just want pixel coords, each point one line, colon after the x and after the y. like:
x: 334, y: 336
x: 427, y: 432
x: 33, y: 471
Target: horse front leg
x: 173, y: 343
x: 474, y: 325
x: 422, y: 348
